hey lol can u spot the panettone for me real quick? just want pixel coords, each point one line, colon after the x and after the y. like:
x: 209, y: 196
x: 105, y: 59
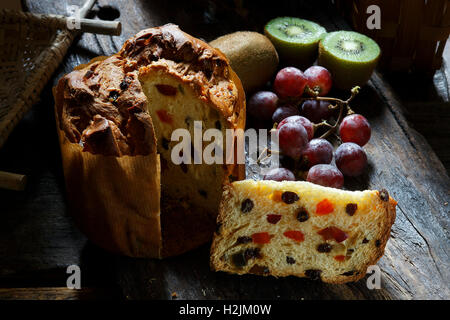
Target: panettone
x: 301, y: 229
x: 115, y: 117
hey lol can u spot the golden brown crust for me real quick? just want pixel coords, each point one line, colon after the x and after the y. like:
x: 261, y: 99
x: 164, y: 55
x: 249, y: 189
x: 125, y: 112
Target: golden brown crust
x: 114, y: 209
x: 168, y: 42
x: 109, y: 87
x: 207, y: 68
x: 104, y: 88
x: 214, y: 262
x: 377, y: 253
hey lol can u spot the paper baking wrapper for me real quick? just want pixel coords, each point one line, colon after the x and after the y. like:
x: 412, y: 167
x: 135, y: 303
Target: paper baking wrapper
x: 115, y: 200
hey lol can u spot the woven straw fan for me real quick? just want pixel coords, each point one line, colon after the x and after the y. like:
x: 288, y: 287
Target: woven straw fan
x: 31, y: 48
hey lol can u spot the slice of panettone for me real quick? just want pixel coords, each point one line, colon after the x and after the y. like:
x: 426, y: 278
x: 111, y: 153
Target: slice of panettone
x: 301, y: 229
x: 115, y: 117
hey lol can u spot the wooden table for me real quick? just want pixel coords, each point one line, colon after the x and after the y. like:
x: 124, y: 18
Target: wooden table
x: 38, y: 239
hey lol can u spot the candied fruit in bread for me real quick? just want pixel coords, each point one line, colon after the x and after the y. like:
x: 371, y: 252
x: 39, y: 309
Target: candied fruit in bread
x: 335, y: 244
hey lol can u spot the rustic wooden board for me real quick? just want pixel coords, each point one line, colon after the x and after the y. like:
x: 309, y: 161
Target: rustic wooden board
x: 427, y: 105
x: 38, y: 239
x: 53, y: 293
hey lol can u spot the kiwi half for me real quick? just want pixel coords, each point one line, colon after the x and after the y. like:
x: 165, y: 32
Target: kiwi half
x: 351, y: 58
x: 295, y: 39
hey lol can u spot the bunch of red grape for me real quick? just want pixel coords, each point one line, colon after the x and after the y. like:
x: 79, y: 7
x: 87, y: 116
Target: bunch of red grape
x: 296, y: 128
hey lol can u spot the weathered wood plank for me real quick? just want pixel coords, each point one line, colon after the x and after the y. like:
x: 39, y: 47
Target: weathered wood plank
x: 35, y: 227
x: 54, y: 294
x: 427, y: 105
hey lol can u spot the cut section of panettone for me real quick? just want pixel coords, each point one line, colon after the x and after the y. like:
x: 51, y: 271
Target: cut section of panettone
x: 173, y: 103
x: 301, y: 229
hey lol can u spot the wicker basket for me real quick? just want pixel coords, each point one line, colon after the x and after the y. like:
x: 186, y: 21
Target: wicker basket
x: 413, y: 33
x: 31, y: 48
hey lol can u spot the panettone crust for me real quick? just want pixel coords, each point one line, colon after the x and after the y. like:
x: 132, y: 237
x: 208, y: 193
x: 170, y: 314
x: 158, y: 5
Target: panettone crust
x: 203, y: 65
x: 108, y: 86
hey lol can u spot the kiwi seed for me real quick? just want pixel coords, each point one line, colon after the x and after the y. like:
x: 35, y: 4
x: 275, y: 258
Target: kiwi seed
x: 295, y: 39
x: 351, y: 57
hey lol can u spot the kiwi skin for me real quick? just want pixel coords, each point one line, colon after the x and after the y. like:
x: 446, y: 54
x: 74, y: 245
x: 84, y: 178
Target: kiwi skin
x: 252, y: 56
x: 346, y: 74
x: 300, y: 57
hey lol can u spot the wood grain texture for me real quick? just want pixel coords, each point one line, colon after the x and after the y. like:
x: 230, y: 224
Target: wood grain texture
x: 426, y: 104
x: 38, y: 238
x: 53, y: 293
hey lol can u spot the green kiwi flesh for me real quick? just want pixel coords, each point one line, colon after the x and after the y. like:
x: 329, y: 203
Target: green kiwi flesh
x: 351, y: 58
x: 295, y: 39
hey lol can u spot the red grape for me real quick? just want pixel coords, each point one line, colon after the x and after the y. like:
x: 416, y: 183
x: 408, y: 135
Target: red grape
x: 262, y: 105
x: 283, y: 112
x: 292, y: 139
x: 318, y: 151
x: 319, y: 79
x: 355, y: 128
x: 289, y: 82
x: 279, y: 174
x: 316, y: 110
x: 351, y: 159
x: 326, y: 175
x: 301, y: 120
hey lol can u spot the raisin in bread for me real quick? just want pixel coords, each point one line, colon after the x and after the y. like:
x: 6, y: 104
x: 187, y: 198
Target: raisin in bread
x: 115, y: 116
x: 300, y: 229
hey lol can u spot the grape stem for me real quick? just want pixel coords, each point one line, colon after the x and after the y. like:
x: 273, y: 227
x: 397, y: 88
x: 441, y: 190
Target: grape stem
x: 341, y: 104
x: 322, y: 124
x: 265, y: 153
x: 338, y: 121
x: 354, y: 92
